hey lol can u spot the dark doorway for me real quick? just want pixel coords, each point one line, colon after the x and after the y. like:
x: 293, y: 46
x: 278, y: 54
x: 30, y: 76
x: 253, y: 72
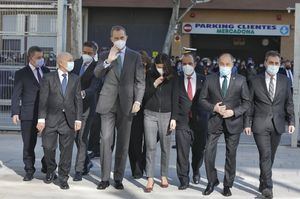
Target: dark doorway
x: 239, y: 46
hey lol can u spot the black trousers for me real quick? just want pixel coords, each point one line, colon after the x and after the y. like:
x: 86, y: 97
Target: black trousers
x: 94, y: 138
x: 29, y: 137
x: 232, y: 141
x: 66, y: 137
x: 267, y: 143
x: 137, y: 148
x: 81, y: 141
x: 186, y: 139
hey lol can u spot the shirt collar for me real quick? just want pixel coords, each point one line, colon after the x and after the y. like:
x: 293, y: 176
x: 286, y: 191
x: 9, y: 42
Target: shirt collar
x: 60, y: 72
x: 32, y: 67
x: 191, y: 77
x: 268, y: 77
x: 123, y: 50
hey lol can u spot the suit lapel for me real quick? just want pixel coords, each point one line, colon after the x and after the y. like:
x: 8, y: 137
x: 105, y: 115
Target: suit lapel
x: 69, y: 84
x: 218, y: 86
x: 264, y: 86
x: 183, y: 87
x: 30, y: 72
x: 277, y: 87
x: 58, y: 84
x: 231, y: 84
x: 125, y: 63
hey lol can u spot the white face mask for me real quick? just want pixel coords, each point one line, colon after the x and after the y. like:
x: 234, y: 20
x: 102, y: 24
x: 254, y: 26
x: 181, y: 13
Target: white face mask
x: 70, y: 66
x: 160, y: 71
x: 120, y: 44
x: 188, y: 69
x: 272, y: 69
x: 225, y: 71
x: 87, y: 59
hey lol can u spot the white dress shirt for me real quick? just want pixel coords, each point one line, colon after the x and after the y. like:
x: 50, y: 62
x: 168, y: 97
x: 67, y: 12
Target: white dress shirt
x: 221, y: 79
x: 193, y: 81
x: 34, y: 70
x: 268, y: 78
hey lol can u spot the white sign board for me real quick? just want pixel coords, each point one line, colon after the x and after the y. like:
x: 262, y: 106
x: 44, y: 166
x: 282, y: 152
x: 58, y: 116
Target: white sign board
x: 236, y: 29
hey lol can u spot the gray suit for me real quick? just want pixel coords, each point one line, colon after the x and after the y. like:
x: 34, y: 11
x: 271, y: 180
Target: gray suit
x: 119, y: 92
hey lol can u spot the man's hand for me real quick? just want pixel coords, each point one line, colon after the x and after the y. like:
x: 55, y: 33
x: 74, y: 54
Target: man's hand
x: 15, y: 119
x: 77, y: 125
x: 247, y: 131
x: 40, y: 126
x: 136, y: 107
x: 172, y: 125
x: 291, y: 129
x: 228, y: 113
x: 220, y: 109
x: 158, y: 81
x: 113, y: 54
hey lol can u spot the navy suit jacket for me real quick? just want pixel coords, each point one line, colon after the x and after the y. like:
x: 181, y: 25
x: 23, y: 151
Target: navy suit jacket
x: 26, y: 90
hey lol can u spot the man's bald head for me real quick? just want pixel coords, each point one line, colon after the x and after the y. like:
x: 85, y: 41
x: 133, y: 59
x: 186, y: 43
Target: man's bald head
x: 63, y: 59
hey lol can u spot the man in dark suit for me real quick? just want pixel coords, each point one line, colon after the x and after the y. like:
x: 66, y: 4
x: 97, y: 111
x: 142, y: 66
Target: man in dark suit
x: 191, y: 129
x: 26, y: 89
x: 60, y: 114
x: 288, y: 71
x: 120, y: 98
x: 272, y: 107
x: 226, y: 97
x: 84, y: 67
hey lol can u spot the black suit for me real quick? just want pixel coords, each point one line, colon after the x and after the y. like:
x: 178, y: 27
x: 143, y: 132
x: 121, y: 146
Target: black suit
x: 89, y: 85
x: 26, y: 89
x: 236, y: 99
x: 191, y: 130
x: 60, y: 112
x: 284, y: 72
x: 268, y: 119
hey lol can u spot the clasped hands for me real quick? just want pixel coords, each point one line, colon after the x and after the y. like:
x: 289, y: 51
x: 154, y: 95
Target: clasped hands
x: 221, y: 109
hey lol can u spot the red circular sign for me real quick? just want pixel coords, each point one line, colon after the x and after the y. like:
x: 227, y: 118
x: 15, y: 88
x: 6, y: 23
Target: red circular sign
x: 187, y: 28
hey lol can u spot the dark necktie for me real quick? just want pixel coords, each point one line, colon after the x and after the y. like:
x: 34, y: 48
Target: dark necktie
x: 38, y: 74
x: 224, y: 86
x: 64, y: 83
x: 271, y: 88
x: 119, y: 63
x: 82, y: 69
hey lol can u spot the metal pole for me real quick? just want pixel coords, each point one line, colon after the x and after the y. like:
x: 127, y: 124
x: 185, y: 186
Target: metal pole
x: 76, y: 28
x: 296, y: 82
x: 61, y: 26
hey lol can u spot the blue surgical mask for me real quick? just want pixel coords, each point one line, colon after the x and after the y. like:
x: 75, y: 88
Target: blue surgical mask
x: 272, y: 69
x: 70, y: 66
x: 39, y: 62
x: 225, y: 71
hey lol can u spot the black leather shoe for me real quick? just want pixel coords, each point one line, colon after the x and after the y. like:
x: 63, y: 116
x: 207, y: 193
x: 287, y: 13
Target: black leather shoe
x: 183, y: 186
x: 119, y: 185
x: 103, y: 185
x: 64, y: 185
x: 28, y: 177
x: 50, y: 177
x: 267, y: 193
x: 226, y: 191
x: 78, y: 176
x: 210, y: 188
x: 196, y: 179
x: 87, y: 168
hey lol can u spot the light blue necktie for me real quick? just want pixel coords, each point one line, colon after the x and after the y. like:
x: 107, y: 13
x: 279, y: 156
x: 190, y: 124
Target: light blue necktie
x: 64, y: 83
